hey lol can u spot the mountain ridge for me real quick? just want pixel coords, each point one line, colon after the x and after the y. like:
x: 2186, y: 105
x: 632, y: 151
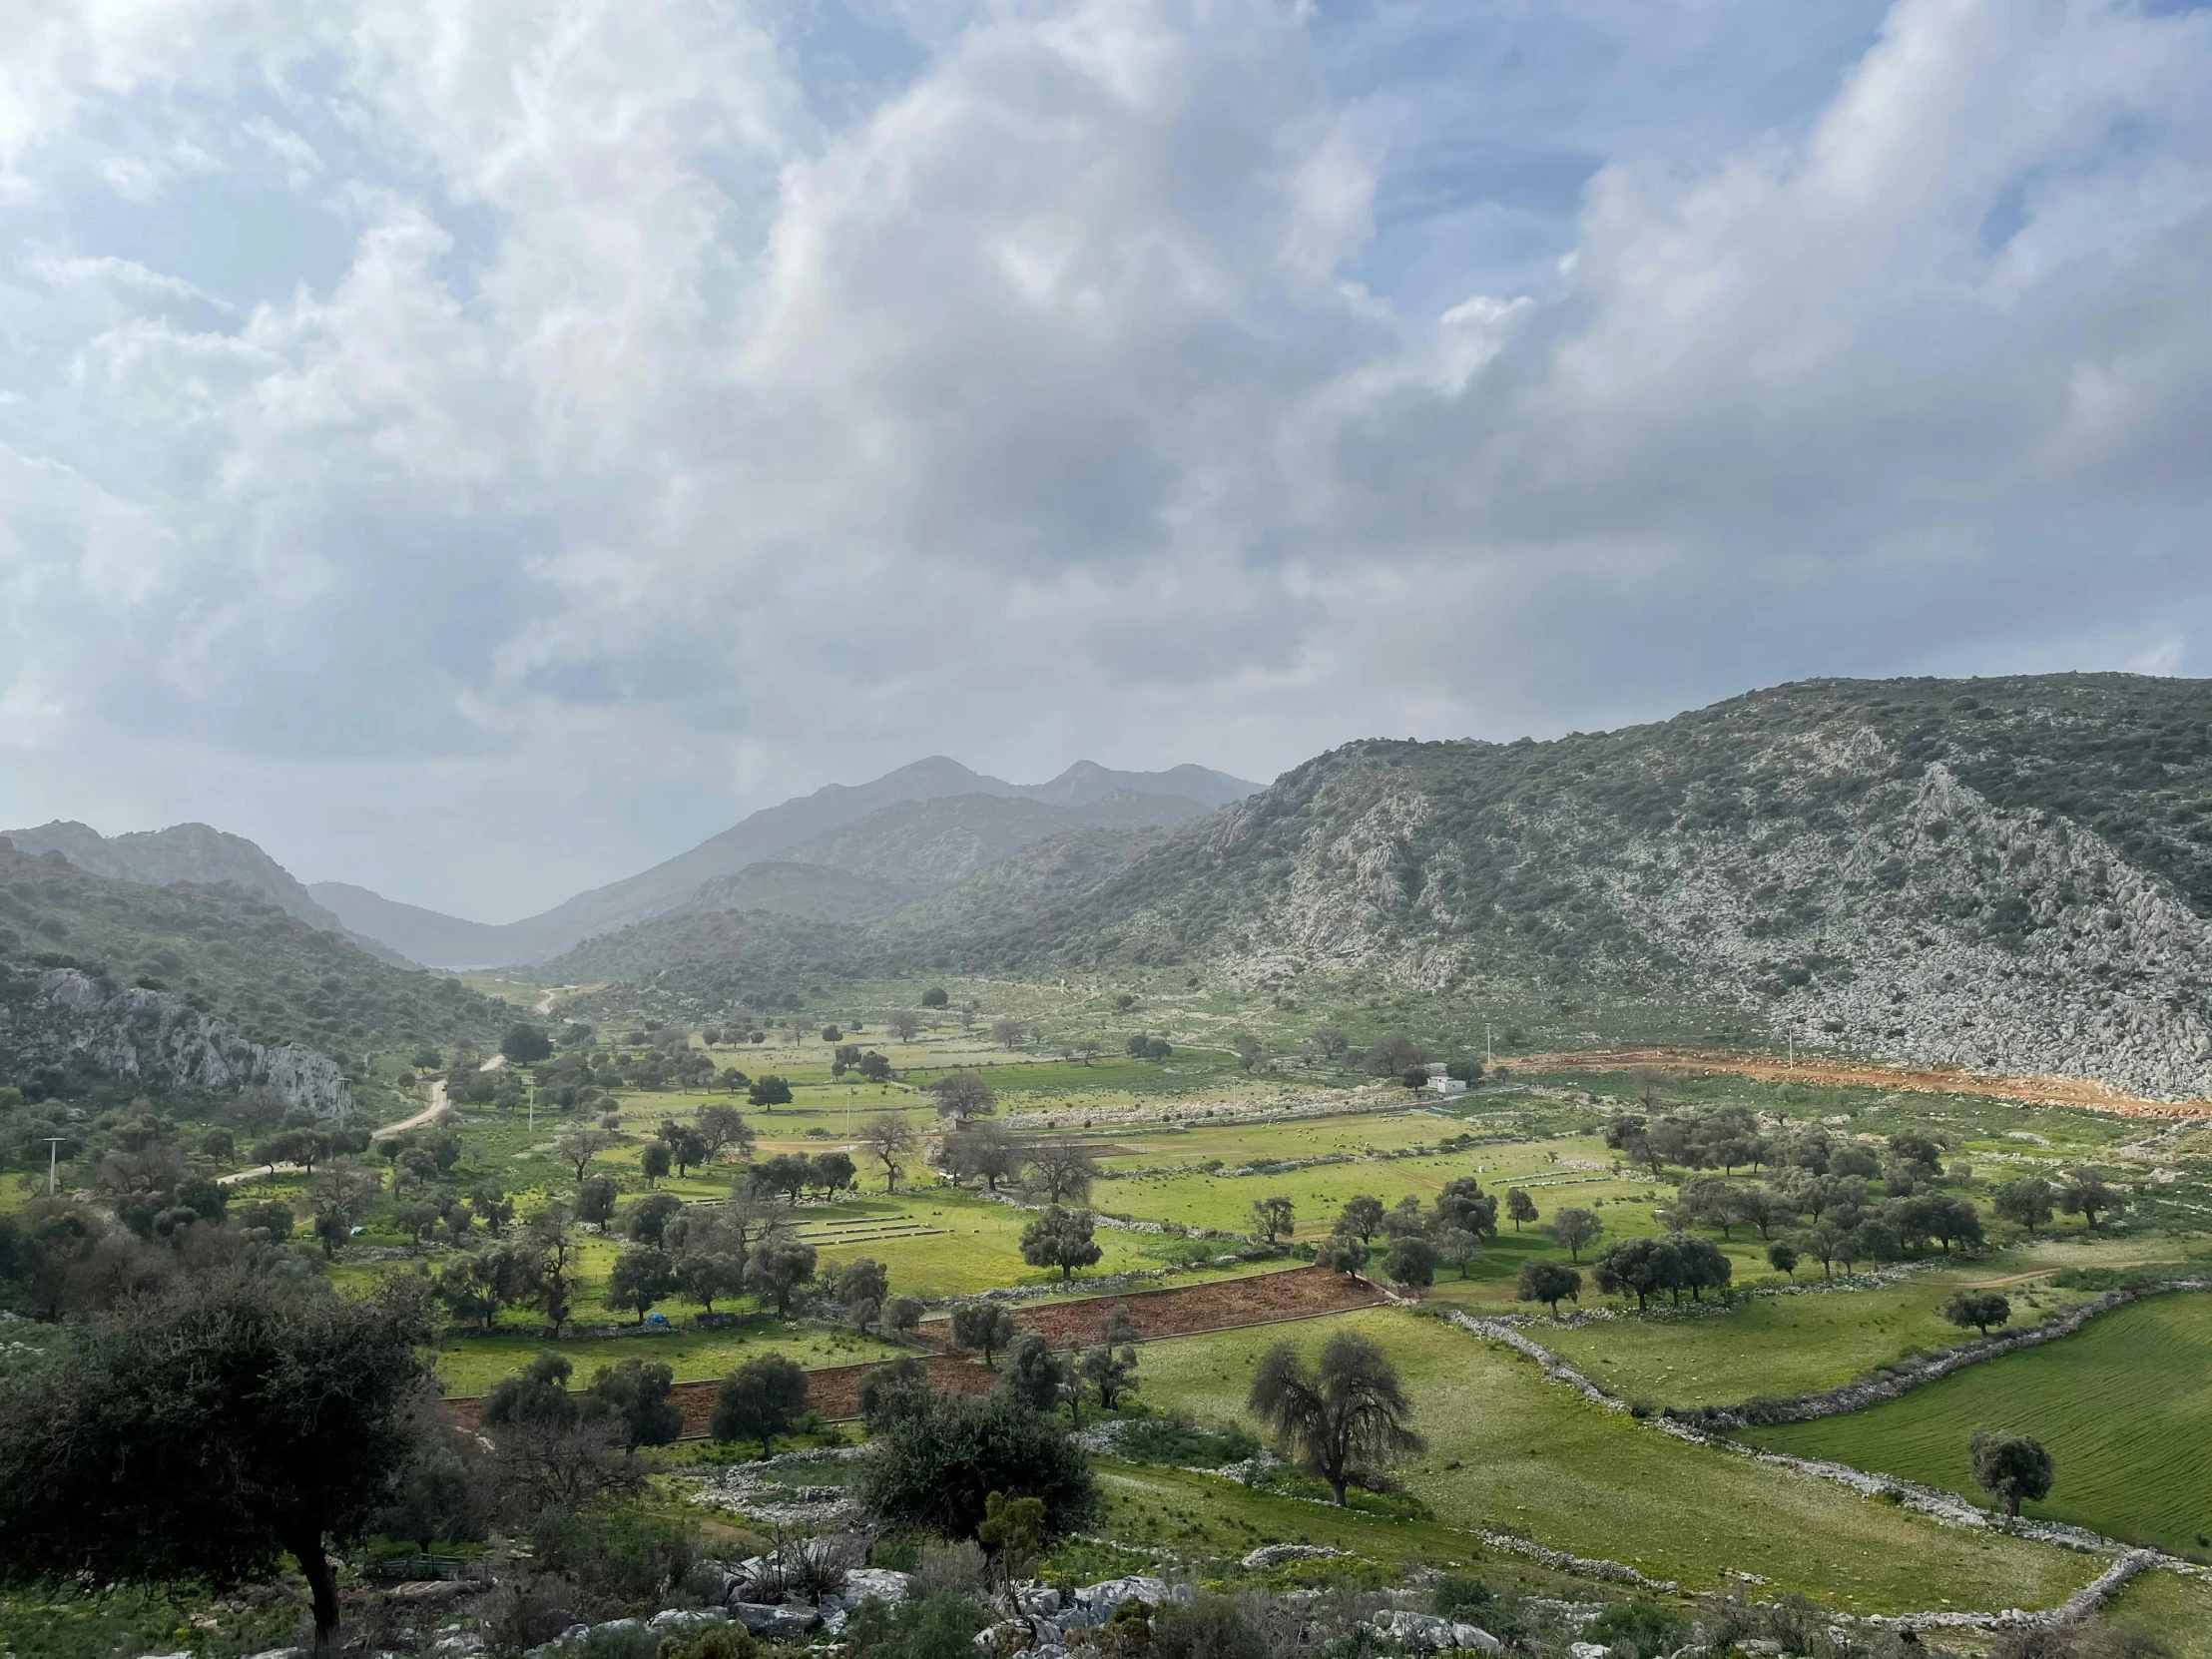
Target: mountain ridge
x: 2011, y: 874
x: 666, y: 887
x: 192, y: 852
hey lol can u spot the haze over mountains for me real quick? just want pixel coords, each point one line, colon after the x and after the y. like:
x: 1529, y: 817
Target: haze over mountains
x: 2011, y: 874
x: 849, y: 851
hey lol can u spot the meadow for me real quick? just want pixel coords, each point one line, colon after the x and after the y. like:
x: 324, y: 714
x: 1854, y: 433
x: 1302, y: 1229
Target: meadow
x: 1512, y: 1452
x: 2124, y: 1406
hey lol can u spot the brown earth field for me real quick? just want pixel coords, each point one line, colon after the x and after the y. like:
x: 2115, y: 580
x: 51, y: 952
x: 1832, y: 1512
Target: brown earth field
x: 1268, y: 1298
x: 1264, y: 1299
x: 1829, y: 1073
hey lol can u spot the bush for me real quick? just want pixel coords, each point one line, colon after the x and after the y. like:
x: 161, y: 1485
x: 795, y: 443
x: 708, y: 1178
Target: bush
x: 1645, y: 1625
x: 526, y: 1612
x: 623, y: 1560
x: 958, y: 1568
x: 717, y: 1641
x: 941, y: 1627
x: 1183, y: 1444
x: 1206, y: 1628
x: 1456, y: 1594
x: 934, y: 1467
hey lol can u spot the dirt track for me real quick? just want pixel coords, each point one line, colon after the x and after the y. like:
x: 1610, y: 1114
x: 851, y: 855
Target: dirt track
x: 1832, y: 1073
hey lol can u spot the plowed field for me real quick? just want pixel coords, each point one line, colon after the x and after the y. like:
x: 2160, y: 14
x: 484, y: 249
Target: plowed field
x: 1265, y: 1299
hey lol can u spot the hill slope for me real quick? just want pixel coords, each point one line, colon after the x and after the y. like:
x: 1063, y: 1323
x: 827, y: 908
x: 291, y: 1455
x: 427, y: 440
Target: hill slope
x: 110, y: 985
x: 1091, y: 792
x: 194, y: 852
x: 2005, y: 874
x: 2011, y: 874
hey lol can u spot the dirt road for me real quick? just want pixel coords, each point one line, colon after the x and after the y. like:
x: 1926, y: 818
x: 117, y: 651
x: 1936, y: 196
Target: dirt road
x: 1824, y: 1072
x: 428, y: 1114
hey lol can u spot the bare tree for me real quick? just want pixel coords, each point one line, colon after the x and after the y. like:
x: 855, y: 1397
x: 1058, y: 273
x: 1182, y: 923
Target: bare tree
x: 1062, y: 1170
x: 963, y: 1095
x: 889, y: 1139
x: 580, y: 1146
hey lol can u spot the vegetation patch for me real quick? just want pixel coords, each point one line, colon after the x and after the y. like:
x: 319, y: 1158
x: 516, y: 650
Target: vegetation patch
x: 2124, y: 1406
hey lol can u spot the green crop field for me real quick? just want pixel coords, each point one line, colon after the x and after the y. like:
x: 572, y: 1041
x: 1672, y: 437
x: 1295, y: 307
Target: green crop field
x: 1785, y: 1345
x: 1512, y: 1452
x: 2125, y: 1409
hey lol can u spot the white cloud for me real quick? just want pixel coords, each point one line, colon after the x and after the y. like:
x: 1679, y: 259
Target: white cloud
x: 668, y: 443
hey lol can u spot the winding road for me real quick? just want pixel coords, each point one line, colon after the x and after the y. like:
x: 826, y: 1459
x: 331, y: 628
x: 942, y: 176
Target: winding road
x: 428, y: 1114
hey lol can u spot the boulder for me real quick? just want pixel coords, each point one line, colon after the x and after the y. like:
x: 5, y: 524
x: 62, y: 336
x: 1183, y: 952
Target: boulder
x: 880, y: 1582
x: 677, y: 1621
x: 1588, y: 1650
x: 1103, y: 1598
x: 1425, y: 1633
x: 775, y: 1625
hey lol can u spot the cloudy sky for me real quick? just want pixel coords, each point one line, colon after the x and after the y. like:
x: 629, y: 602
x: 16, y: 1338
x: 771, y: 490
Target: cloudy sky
x: 479, y: 449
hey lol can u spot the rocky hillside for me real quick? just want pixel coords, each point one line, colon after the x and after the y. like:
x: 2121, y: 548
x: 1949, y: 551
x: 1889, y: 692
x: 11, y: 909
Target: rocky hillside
x: 2012, y: 874
x: 2007, y: 873
x: 110, y: 987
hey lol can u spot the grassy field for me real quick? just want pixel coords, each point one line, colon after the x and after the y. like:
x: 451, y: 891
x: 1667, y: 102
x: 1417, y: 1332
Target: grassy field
x: 2176, y: 1609
x: 2125, y: 1409
x: 471, y: 1365
x: 1510, y: 1451
x: 1787, y: 1344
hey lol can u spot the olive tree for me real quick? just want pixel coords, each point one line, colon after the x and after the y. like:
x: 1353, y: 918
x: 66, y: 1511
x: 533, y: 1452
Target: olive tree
x: 201, y: 1435
x: 1346, y: 1419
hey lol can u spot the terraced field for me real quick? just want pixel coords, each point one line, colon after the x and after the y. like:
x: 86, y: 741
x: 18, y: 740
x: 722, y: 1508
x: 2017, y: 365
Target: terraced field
x: 2125, y: 1409
x: 1510, y: 1451
x: 1785, y: 1345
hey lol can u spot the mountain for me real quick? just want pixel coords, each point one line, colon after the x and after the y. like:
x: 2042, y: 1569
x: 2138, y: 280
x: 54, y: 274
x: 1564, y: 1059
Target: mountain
x: 112, y: 987
x: 419, y: 934
x: 2012, y: 874
x: 1092, y: 792
x: 1087, y: 781
x: 194, y: 852
x: 923, y: 846
x: 790, y: 888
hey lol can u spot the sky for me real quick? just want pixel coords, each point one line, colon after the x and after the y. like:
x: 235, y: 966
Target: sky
x: 479, y: 449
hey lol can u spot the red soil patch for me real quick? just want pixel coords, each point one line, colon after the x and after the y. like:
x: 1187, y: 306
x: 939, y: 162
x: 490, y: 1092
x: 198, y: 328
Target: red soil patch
x: 1827, y: 1073
x: 1264, y: 1299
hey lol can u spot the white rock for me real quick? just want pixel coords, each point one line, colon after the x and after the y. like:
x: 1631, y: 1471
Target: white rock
x: 1588, y: 1650
x: 1106, y: 1596
x: 880, y: 1582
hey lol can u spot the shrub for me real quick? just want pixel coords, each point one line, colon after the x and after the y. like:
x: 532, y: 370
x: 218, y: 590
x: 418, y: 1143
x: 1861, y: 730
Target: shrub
x: 622, y: 1559
x: 936, y: 1467
x: 1183, y: 1444
x: 1645, y: 1625
x: 1456, y: 1594
x: 717, y: 1641
x: 941, y: 1627
x: 1206, y: 1627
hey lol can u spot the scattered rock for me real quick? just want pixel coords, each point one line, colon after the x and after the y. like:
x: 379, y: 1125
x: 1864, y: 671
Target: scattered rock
x: 1274, y: 1555
x: 776, y: 1623
x: 1425, y: 1633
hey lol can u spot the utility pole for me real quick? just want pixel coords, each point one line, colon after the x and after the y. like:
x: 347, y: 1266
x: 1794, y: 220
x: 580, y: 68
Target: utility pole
x: 53, y: 1156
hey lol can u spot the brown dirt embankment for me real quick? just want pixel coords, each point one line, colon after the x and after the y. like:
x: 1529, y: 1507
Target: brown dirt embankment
x: 1824, y: 1072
